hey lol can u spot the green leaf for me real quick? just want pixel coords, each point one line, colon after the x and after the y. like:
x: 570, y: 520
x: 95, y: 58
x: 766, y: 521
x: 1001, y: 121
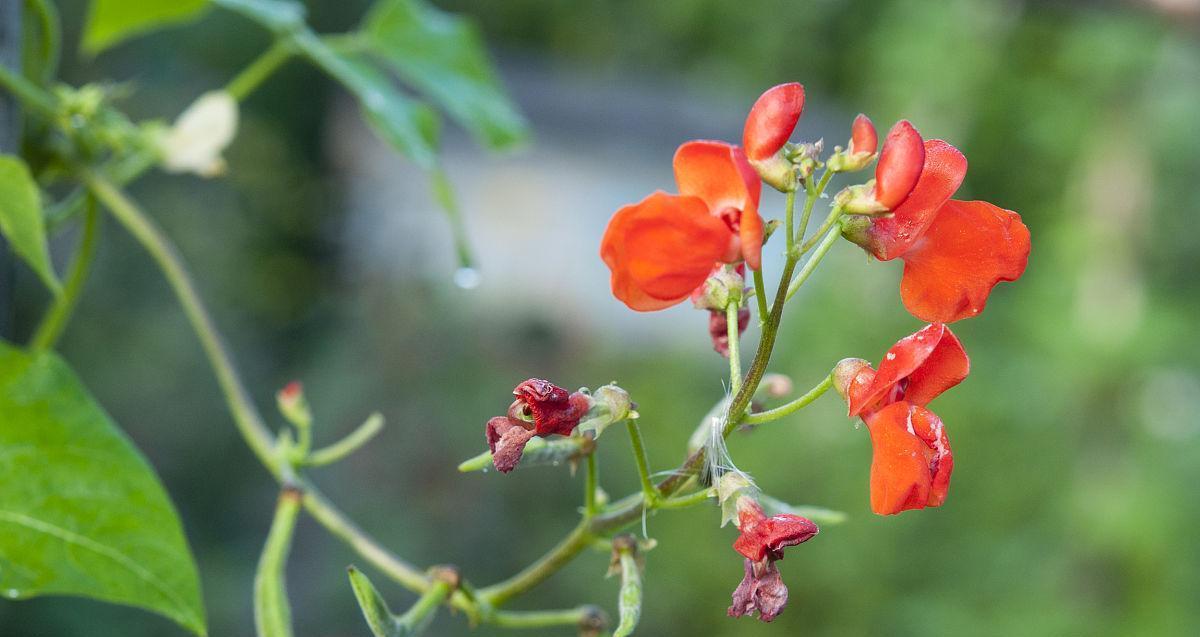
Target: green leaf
x: 111, y: 21
x: 408, y: 125
x: 443, y: 56
x: 21, y: 219
x: 43, y: 37
x: 81, y: 511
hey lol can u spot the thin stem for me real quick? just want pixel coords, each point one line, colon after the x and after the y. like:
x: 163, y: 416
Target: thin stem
x: 639, y: 455
x: 59, y: 315
x: 27, y: 92
x: 348, y: 445
x: 272, y: 612
x: 790, y: 407
x: 788, y: 215
x: 834, y: 216
x: 760, y: 293
x: 685, y: 501
x: 735, y: 358
x: 550, y: 563
x: 426, y: 605
x: 809, y: 266
x: 589, y: 487
x: 812, y: 194
x: 543, y: 618
x: 257, y: 72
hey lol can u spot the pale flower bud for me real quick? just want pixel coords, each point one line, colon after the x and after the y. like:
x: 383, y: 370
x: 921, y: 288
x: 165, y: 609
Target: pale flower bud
x: 195, y: 142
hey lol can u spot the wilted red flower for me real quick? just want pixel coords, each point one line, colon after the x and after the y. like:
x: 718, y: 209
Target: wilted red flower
x: 761, y: 543
x: 954, y: 252
x: 661, y: 248
x: 772, y: 120
x: 541, y: 409
x: 912, y: 461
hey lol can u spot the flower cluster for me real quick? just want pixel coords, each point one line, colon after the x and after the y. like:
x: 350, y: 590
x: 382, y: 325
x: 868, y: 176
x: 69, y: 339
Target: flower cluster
x: 761, y: 542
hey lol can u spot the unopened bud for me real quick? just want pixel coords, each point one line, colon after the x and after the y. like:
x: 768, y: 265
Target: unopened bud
x: 609, y: 404
x: 726, y: 285
x: 293, y: 405
x: 807, y: 158
x: 195, y: 141
x: 846, y: 372
x: 860, y: 200
x: 775, y: 385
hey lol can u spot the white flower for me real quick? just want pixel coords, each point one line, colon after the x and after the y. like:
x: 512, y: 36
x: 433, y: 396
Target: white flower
x: 194, y: 144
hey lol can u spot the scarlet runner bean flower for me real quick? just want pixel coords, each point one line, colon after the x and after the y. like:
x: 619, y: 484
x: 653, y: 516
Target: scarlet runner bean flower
x: 540, y: 409
x: 911, y: 460
x: 662, y: 248
x: 761, y: 543
x: 770, y: 123
x: 954, y: 252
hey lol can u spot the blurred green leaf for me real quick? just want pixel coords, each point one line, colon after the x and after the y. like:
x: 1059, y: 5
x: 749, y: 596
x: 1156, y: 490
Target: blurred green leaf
x: 81, y: 511
x: 408, y: 125
x: 443, y: 56
x: 21, y: 219
x: 111, y: 21
x: 43, y: 37
x: 279, y: 16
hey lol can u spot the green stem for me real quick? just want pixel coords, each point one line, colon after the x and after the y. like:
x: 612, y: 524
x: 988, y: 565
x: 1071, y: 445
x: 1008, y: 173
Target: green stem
x: 59, y: 315
x: 245, y: 415
x: 348, y: 445
x: 790, y: 407
x: 789, y: 215
x: 809, y: 266
x: 685, y: 501
x: 812, y: 194
x: 543, y: 618
x: 550, y: 563
x: 834, y: 216
x: 735, y: 336
x: 257, y: 72
x: 760, y: 293
x: 590, y: 484
x: 639, y: 455
x: 27, y: 92
x: 421, y: 612
x: 272, y: 612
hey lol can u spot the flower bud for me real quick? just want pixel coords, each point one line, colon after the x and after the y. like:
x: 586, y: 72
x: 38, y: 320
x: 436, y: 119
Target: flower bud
x: 849, y: 371
x: 860, y: 200
x: 724, y: 286
x: 293, y: 405
x: 195, y: 141
x: 900, y: 165
x: 772, y: 120
x: 861, y: 149
x: 775, y: 385
x: 609, y: 404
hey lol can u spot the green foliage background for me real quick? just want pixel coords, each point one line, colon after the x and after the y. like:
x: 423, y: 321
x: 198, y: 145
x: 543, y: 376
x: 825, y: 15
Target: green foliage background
x: 1077, y: 437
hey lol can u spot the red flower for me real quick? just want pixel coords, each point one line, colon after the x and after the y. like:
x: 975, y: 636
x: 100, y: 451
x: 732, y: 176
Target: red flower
x: 761, y: 542
x: 541, y: 409
x: 772, y: 120
x: 899, y: 165
x: 663, y: 247
x: 912, y: 461
x: 954, y: 252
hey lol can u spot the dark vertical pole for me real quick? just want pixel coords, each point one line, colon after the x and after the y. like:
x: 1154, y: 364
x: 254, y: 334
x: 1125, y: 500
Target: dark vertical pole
x: 10, y: 136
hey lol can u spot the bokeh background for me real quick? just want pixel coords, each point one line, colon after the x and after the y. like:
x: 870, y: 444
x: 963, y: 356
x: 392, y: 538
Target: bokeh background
x: 1077, y: 437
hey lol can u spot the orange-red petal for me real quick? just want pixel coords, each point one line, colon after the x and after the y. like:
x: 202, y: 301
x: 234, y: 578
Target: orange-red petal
x: 717, y: 173
x: 772, y: 120
x: 661, y: 248
x: 942, y: 174
x: 931, y: 361
x: 863, y: 138
x: 899, y: 166
x: 911, y: 459
x: 969, y: 248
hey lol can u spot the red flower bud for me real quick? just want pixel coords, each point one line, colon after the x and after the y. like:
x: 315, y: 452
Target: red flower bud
x: 772, y: 120
x: 762, y: 590
x: 900, y: 164
x: 863, y: 138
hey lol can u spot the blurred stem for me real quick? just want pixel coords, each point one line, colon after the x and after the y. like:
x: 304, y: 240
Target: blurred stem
x: 735, y: 357
x: 30, y: 94
x: 685, y: 501
x: 639, y: 456
x: 421, y: 612
x: 760, y: 293
x: 444, y: 193
x: 272, y: 613
x: 257, y: 72
x: 834, y: 216
x: 245, y: 415
x: 119, y: 172
x: 590, y: 484
x: 348, y: 445
x: 543, y: 618
x: 790, y: 407
x: 578, y: 539
x: 59, y: 315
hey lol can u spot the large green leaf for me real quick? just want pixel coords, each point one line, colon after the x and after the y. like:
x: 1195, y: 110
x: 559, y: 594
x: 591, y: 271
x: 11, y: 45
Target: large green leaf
x: 443, y: 56
x: 21, y: 218
x: 81, y: 511
x: 111, y: 21
x: 408, y: 125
